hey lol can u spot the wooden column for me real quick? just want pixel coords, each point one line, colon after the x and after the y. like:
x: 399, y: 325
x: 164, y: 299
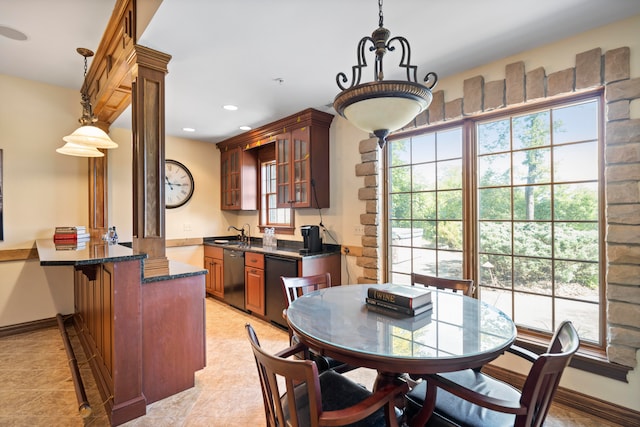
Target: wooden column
x: 148, y: 70
x: 98, y: 217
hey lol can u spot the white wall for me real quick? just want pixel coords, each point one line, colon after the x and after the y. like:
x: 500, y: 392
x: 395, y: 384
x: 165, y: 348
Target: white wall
x: 42, y: 189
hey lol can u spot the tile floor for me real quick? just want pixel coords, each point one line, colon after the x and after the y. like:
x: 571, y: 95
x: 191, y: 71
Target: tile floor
x: 36, y: 387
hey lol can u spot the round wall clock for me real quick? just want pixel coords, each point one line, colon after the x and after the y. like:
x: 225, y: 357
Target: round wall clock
x: 178, y: 184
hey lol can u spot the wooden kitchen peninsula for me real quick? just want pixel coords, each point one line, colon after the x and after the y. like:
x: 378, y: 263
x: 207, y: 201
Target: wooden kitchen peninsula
x: 144, y: 338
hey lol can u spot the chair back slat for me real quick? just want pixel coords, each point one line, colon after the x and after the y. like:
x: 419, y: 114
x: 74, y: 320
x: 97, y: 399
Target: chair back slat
x: 466, y: 286
x: 545, y: 373
x: 291, y: 374
x: 293, y: 287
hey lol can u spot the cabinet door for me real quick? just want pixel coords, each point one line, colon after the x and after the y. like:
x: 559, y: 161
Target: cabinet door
x: 208, y: 279
x: 238, y: 179
x: 301, y: 168
x: 217, y: 278
x: 230, y: 179
x: 254, y: 290
x: 283, y: 170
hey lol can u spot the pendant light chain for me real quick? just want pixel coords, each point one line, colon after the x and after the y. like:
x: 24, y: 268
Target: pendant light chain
x: 380, y: 16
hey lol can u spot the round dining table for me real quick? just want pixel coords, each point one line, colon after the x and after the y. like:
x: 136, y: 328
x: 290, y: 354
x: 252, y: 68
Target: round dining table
x: 459, y: 332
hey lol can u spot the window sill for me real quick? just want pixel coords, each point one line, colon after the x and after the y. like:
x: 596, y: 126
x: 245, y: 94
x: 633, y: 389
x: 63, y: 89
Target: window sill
x: 280, y: 229
x: 587, y: 359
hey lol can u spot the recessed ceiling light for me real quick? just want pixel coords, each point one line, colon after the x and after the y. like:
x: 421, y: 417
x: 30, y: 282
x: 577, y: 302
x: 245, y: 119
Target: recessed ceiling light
x: 230, y: 107
x: 245, y: 127
x: 188, y: 129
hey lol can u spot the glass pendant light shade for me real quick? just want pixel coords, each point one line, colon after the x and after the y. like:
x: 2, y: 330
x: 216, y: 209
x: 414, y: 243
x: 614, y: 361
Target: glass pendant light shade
x: 90, y: 136
x: 383, y: 105
x: 71, y: 149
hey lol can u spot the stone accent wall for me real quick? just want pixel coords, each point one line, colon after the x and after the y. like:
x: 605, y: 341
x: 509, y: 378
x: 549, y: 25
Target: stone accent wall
x: 622, y: 172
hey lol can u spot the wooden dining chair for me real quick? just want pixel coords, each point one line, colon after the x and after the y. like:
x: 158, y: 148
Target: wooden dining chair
x: 470, y: 397
x: 311, y: 399
x: 293, y: 287
x: 456, y: 285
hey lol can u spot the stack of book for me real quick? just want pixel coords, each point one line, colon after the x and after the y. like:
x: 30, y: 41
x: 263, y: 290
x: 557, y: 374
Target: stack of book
x: 74, y: 237
x: 409, y: 300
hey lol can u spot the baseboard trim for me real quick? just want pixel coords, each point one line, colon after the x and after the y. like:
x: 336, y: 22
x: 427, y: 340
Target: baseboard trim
x: 20, y: 328
x: 574, y: 400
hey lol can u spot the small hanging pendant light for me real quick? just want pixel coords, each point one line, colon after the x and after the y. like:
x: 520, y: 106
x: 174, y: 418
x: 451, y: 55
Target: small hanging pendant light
x: 86, y: 140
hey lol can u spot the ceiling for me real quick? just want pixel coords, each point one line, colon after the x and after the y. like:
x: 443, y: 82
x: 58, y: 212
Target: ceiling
x: 275, y: 58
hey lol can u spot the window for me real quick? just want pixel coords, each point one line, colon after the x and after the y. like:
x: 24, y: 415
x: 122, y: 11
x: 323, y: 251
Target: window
x: 533, y: 212
x: 425, y: 205
x: 270, y: 215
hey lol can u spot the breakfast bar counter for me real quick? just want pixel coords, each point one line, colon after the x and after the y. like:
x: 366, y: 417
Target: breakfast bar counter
x: 144, y: 337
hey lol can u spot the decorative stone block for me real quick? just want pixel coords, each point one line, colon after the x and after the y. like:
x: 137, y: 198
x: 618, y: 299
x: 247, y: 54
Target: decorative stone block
x: 368, y: 219
x: 369, y: 241
x: 624, y: 336
x: 623, y: 234
x: 367, y: 145
x: 535, y: 85
x: 623, y: 274
x: 622, y: 153
x: 371, y: 252
x: 623, y: 254
x: 622, y: 172
x: 624, y: 293
x: 368, y: 193
x: 622, y: 355
x: 623, y: 192
x: 372, y: 207
x: 625, y: 89
x: 618, y: 110
x: 617, y: 64
x: 436, y: 109
x: 623, y: 132
x: 371, y: 156
x: 453, y: 109
x: 369, y: 168
x: 371, y: 230
x: 371, y: 181
x: 561, y: 82
x: 623, y: 214
x: 514, y: 80
x: 622, y: 313
x: 473, y: 95
x: 494, y: 95
x: 367, y: 262
x: 366, y: 281
x: 589, y: 69
x: 372, y: 274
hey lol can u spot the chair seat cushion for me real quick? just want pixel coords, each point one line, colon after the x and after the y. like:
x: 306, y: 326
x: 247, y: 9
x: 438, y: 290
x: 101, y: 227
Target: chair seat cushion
x: 451, y: 410
x: 338, y: 392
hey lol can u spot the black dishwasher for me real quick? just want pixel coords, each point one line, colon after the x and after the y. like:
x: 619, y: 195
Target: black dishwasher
x: 234, y: 278
x: 274, y: 267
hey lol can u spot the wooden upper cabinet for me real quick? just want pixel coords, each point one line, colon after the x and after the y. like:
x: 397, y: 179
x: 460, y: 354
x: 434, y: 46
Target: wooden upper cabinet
x: 238, y: 180
x: 300, y: 173
x: 302, y: 162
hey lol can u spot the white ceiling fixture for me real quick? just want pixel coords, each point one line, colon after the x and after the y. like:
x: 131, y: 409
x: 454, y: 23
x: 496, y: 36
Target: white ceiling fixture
x: 383, y: 106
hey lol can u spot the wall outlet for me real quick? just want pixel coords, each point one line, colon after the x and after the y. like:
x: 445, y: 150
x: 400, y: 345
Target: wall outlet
x: 358, y: 230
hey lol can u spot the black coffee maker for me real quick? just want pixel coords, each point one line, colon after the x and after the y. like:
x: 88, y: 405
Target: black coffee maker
x: 311, y: 238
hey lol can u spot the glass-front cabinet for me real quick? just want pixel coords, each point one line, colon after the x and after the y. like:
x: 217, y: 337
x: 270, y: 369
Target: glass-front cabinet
x: 302, y: 163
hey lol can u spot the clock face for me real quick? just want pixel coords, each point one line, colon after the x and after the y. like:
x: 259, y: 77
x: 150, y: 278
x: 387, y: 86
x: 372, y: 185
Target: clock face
x: 178, y: 184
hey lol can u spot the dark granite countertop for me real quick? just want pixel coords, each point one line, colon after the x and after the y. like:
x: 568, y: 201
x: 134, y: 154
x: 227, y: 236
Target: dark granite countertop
x: 286, y: 248
x: 99, y: 252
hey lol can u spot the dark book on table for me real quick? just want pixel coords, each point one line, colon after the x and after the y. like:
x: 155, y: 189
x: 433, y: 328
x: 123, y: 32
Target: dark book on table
x: 401, y: 295
x: 398, y: 308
